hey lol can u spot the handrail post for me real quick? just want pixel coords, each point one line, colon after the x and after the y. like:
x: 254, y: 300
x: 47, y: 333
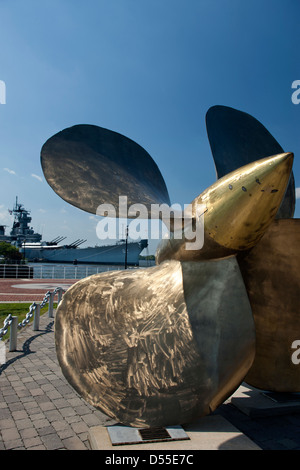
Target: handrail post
x: 50, y: 309
x: 36, y: 318
x: 59, y: 295
x: 13, y: 334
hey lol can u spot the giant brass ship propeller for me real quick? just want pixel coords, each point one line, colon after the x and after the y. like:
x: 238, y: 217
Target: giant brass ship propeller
x: 163, y: 345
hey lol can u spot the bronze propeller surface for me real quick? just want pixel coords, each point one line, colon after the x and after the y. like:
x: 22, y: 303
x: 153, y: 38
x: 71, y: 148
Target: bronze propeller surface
x: 157, y: 346
x: 271, y: 274
x: 236, y: 139
x: 237, y: 210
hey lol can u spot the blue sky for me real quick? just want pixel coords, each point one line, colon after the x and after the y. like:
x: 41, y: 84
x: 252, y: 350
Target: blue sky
x: 149, y: 70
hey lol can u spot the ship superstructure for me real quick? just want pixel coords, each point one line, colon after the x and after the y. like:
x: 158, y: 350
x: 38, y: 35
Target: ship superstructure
x: 21, y: 232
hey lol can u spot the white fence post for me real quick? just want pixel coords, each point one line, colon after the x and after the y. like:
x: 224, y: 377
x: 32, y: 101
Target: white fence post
x: 50, y: 309
x: 36, y: 318
x: 59, y: 295
x: 13, y: 334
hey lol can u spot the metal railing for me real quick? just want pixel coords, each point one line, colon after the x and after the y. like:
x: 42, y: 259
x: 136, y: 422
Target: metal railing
x: 46, y: 271
x: 15, y: 271
x: 34, y: 311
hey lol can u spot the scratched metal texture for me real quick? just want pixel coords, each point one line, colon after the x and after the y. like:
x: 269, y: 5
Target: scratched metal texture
x: 157, y: 346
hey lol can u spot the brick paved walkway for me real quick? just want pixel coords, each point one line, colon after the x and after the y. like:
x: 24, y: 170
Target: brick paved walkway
x: 29, y: 290
x: 38, y: 408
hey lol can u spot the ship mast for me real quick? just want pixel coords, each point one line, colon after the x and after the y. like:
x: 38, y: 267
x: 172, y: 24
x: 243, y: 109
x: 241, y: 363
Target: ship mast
x: 21, y: 231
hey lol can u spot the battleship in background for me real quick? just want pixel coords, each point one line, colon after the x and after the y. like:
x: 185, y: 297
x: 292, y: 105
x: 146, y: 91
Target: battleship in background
x: 35, y: 250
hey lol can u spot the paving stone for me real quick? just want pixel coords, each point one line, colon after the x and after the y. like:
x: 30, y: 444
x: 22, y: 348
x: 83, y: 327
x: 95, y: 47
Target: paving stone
x: 30, y: 405
x: 28, y: 432
x: 53, y: 415
x: 60, y: 424
x: 65, y: 433
x: 4, y: 414
x: 32, y: 442
x: 82, y: 410
x: 23, y: 393
x: 15, y: 406
x: 91, y: 419
x: 40, y: 447
x: 10, y: 434
x: 79, y: 427
x: 68, y: 411
x: 46, y: 430
x: 37, y: 415
x: 36, y: 391
x: 14, y: 444
x: 52, y: 442
x: 74, y: 443
x: 42, y: 398
x: 19, y: 414
x: 47, y: 405
x: 12, y: 399
x: 7, y: 423
x: 23, y: 423
x: 41, y: 423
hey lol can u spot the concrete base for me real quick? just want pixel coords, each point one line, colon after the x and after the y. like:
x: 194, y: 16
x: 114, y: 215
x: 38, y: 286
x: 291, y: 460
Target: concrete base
x: 257, y: 403
x: 209, y: 433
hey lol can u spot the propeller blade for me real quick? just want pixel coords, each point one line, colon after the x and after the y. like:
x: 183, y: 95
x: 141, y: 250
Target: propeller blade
x: 88, y: 165
x: 236, y: 139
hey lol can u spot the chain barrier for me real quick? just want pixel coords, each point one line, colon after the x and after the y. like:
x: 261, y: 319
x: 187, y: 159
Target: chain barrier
x: 9, y: 319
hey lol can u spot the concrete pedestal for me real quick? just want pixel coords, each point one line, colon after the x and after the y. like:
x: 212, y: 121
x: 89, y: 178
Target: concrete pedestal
x: 209, y: 433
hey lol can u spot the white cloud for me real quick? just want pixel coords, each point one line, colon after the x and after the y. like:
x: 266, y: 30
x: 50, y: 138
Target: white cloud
x: 297, y: 193
x: 37, y: 177
x: 5, y: 217
x: 12, y: 172
x: 42, y: 211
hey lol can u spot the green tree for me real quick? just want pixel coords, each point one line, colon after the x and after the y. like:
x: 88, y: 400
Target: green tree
x: 10, y: 252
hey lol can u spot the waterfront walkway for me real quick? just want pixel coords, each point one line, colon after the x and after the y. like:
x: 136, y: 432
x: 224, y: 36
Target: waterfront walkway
x: 30, y: 290
x: 39, y: 410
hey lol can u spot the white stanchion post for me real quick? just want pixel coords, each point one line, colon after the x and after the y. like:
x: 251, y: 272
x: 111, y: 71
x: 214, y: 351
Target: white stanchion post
x: 13, y: 334
x: 36, y: 317
x: 50, y: 309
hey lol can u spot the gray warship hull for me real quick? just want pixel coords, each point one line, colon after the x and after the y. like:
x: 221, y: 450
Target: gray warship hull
x: 109, y: 254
